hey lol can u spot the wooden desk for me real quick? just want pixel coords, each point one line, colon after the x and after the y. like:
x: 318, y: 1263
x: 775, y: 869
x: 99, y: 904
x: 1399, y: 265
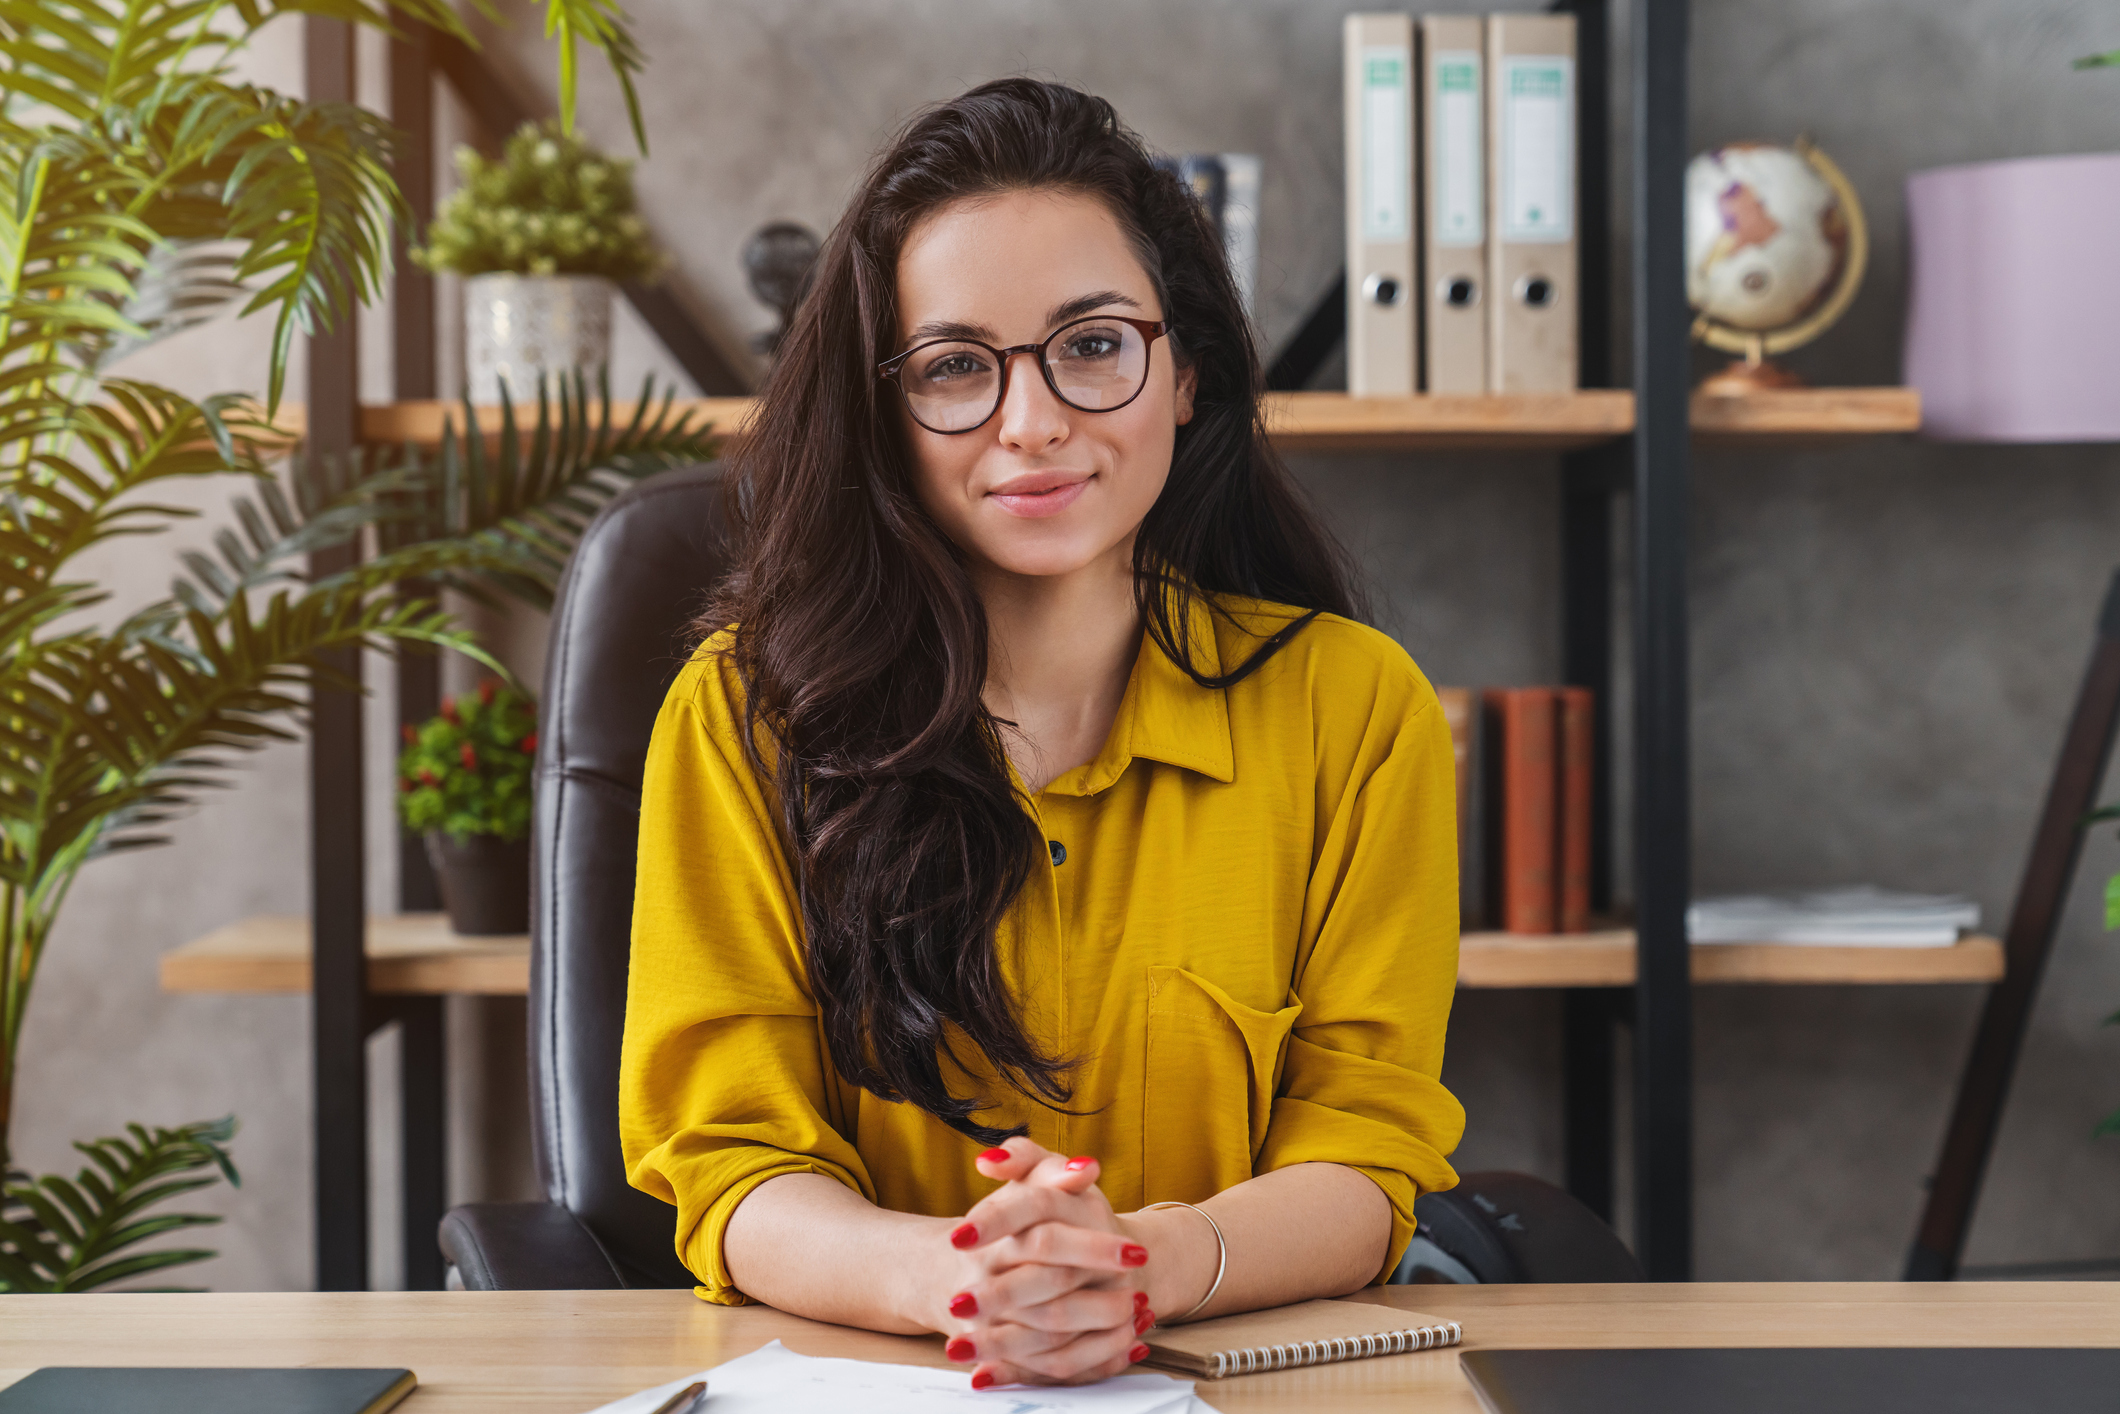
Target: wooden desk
x: 568, y: 1352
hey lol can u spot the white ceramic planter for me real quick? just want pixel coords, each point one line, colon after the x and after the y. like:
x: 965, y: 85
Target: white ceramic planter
x: 518, y: 325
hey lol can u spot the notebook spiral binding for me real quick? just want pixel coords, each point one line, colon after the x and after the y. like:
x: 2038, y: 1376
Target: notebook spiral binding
x: 1262, y: 1359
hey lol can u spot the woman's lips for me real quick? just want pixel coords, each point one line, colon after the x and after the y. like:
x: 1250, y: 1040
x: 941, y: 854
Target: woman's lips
x: 1033, y: 497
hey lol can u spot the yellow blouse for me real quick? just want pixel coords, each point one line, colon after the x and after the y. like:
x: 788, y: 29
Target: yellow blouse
x: 1247, y: 939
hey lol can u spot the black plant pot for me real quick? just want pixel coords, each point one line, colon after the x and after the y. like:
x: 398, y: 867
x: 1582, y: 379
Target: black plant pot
x: 485, y: 883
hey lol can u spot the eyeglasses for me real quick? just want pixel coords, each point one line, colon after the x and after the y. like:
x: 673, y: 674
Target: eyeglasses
x: 1099, y: 364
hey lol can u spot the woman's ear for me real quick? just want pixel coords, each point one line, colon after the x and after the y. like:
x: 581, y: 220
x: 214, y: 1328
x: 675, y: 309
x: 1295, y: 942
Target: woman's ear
x: 1188, y: 379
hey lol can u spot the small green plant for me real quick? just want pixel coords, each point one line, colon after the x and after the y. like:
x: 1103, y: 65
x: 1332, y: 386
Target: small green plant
x: 467, y: 772
x: 552, y: 205
x: 2100, y: 61
x: 59, y: 1234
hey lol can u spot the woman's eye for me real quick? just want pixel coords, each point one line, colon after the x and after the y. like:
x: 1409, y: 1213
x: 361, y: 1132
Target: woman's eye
x: 1093, y: 345
x: 951, y: 367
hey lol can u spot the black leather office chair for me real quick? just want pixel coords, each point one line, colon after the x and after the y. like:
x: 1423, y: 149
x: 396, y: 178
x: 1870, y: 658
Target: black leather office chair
x: 618, y: 638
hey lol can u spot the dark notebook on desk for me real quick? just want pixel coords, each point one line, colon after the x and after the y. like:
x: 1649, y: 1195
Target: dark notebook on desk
x: 1802, y: 1381
x: 59, y: 1390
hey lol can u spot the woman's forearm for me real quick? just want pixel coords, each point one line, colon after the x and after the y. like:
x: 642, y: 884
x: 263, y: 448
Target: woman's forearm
x: 1294, y: 1234
x: 810, y: 1245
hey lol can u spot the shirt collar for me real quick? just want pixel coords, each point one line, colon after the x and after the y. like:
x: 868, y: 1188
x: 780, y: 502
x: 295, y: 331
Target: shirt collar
x: 1165, y: 715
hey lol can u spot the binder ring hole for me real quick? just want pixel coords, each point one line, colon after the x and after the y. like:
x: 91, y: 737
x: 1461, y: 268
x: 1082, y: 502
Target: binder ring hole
x: 1381, y: 289
x: 1459, y: 292
x: 1535, y: 291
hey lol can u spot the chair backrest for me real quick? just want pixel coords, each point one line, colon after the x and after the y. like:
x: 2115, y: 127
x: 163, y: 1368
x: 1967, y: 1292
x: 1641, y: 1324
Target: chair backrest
x: 618, y: 639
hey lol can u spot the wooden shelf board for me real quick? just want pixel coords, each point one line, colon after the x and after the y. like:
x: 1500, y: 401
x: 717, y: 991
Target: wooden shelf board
x: 416, y: 954
x: 1786, y: 417
x: 409, y: 954
x: 1606, y: 959
x: 1335, y: 422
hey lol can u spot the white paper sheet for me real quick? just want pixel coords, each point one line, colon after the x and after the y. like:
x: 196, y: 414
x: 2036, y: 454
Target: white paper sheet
x: 774, y: 1378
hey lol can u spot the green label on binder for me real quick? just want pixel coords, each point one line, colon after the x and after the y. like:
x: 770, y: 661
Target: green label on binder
x: 1385, y: 168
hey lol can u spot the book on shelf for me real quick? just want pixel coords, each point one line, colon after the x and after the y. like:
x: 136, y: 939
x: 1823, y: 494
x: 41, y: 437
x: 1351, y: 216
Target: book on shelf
x: 1524, y: 832
x: 1378, y: 99
x: 1524, y: 807
x: 1531, y: 261
x: 1575, y: 735
x: 1860, y: 916
x: 1454, y: 204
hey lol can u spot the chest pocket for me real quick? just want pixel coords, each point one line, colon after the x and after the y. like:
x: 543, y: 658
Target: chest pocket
x: 1213, y: 1067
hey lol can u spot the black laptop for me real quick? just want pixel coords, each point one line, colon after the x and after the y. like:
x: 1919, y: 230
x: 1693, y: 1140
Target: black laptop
x: 1800, y: 1381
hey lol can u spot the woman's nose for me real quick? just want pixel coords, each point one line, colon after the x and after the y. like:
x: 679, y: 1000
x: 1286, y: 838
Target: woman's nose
x: 1032, y: 419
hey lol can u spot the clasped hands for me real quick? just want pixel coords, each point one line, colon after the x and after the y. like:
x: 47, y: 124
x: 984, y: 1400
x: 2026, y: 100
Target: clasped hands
x: 1043, y: 1283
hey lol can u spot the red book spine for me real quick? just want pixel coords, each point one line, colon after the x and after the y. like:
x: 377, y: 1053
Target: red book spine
x: 1576, y: 739
x: 1528, y: 796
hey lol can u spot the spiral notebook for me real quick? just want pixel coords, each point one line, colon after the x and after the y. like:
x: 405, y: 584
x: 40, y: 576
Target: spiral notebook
x: 1308, y: 1333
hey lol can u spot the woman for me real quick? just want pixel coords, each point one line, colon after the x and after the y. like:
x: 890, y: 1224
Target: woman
x: 1037, y: 838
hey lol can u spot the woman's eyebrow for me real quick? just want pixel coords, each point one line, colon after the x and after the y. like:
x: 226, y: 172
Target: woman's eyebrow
x: 1086, y: 304
x: 1060, y: 314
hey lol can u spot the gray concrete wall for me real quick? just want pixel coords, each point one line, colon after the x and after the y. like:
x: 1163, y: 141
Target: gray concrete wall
x: 1886, y: 637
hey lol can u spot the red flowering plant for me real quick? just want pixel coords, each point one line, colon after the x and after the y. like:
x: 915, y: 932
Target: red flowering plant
x: 467, y: 772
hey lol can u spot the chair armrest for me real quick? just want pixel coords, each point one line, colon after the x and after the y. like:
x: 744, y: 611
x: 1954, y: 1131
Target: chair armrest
x: 524, y: 1247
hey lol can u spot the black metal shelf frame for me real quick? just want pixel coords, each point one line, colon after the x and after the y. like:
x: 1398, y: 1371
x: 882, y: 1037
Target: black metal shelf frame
x: 1649, y: 470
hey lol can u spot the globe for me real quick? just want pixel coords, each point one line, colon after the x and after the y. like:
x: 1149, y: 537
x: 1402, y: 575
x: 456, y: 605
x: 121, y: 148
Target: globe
x: 1775, y: 245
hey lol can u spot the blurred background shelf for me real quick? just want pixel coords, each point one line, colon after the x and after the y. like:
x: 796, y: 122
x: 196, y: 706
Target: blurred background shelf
x: 409, y: 954
x: 1789, y: 417
x: 1607, y: 958
x: 415, y: 954
x: 1336, y: 422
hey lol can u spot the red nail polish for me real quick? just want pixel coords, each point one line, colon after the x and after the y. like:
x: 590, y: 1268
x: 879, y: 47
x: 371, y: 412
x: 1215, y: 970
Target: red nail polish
x: 960, y: 1349
x: 966, y: 1235
x: 1140, y: 1301
x: 981, y: 1379
x: 1080, y: 1162
x: 1143, y: 1321
x: 1137, y: 1355
x: 996, y: 1156
x: 964, y: 1304
x: 1133, y: 1254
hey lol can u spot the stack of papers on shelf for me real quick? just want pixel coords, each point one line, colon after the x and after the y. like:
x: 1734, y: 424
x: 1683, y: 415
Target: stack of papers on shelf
x: 775, y: 1380
x: 1853, y: 917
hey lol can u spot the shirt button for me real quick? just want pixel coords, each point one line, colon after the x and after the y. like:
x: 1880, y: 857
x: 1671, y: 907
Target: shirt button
x: 1059, y: 852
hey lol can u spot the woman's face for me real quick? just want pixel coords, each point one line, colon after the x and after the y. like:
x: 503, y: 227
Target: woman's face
x: 1041, y: 488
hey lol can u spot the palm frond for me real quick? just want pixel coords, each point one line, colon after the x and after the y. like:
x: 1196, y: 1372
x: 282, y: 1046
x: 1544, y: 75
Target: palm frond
x: 60, y: 1235
x: 312, y: 196
x: 61, y: 502
x: 184, y: 284
x: 601, y: 24
x: 524, y: 502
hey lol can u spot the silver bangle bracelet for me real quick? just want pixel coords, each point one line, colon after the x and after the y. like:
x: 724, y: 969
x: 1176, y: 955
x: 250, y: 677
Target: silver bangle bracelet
x: 1221, y: 1262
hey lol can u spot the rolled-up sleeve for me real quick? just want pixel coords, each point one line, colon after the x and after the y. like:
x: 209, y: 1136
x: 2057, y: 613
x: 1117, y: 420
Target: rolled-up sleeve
x: 1361, y: 1083
x: 723, y: 1083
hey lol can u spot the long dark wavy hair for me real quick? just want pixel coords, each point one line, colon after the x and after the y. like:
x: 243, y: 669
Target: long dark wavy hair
x: 861, y: 643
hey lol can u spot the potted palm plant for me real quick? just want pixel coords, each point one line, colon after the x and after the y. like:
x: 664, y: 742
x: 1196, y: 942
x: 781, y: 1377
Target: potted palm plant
x: 464, y: 783
x: 542, y: 234
x: 147, y: 186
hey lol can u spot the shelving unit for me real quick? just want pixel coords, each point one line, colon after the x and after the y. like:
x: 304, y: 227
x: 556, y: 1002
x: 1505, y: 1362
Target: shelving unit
x: 1620, y: 448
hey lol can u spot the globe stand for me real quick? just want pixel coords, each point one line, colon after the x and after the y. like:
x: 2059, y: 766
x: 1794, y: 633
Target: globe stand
x: 1751, y: 374
x: 1754, y: 374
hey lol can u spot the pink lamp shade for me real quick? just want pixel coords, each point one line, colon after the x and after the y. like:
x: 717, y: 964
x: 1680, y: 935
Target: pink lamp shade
x: 2013, y: 320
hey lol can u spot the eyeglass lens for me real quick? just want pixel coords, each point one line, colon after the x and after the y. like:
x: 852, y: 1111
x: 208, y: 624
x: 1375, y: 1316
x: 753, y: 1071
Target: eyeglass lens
x: 1095, y: 365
